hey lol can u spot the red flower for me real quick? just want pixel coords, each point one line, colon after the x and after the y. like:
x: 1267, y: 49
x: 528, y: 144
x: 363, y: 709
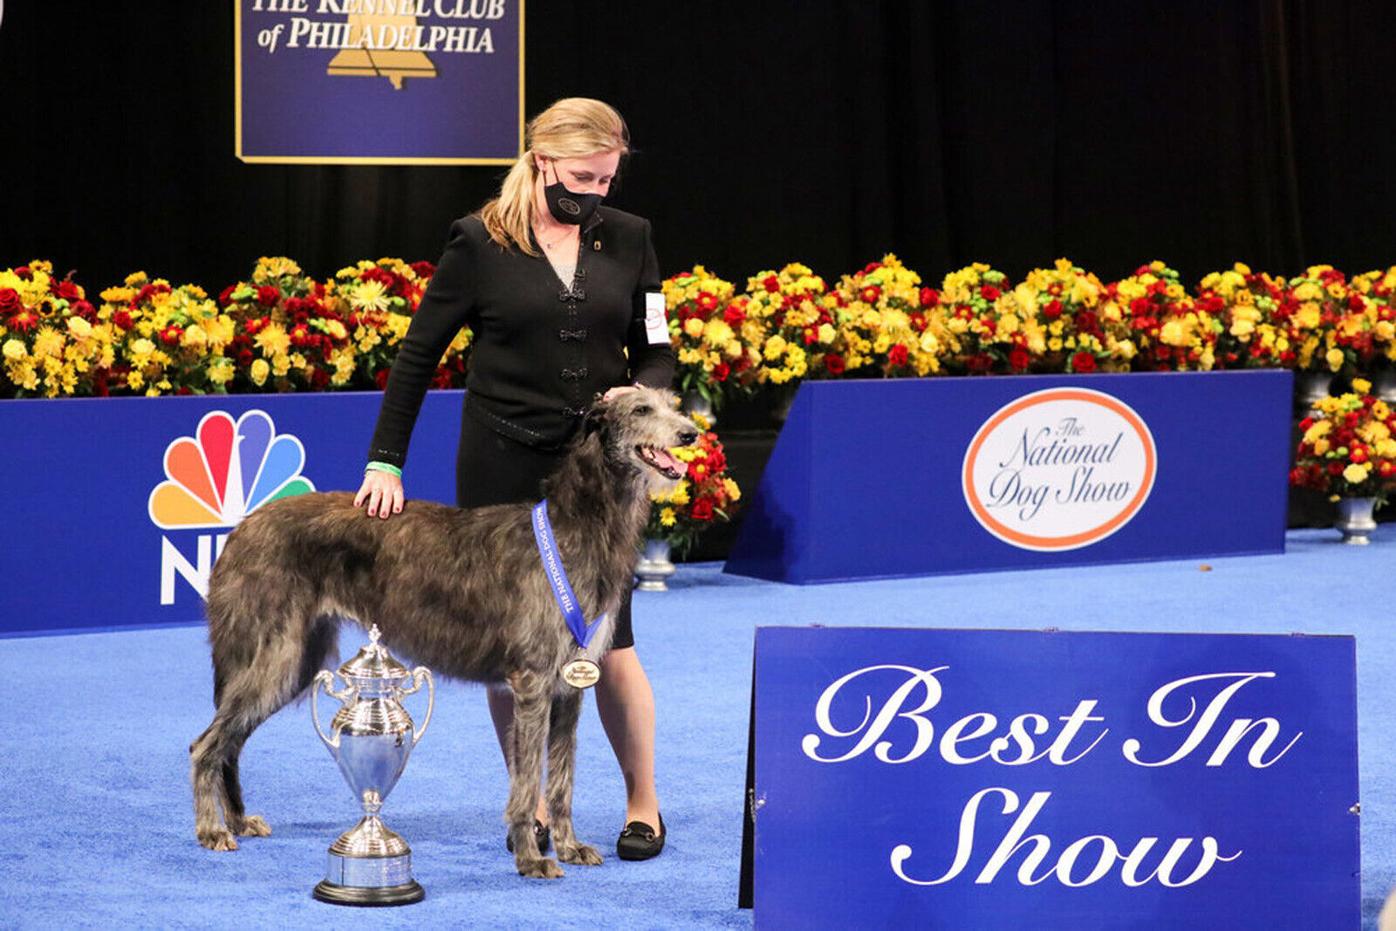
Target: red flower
x: 1306, y: 423
x: 122, y: 318
x: 871, y: 267
x: 380, y: 378
x: 721, y: 371
x: 24, y: 273
x: 424, y: 269
x: 170, y: 335
x: 929, y: 297
x: 245, y: 358
x: 9, y: 300
x: 834, y: 363
x: 702, y: 509
x: 66, y: 290
x: 267, y: 296
x: 1052, y: 309
x: 1335, y: 468
x: 989, y: 293
x: 772, y: 283
x: 897, y: 355
x: 1083, y: 362
x: 226, y: 295
x: 979, y: 363
x: 85, y: 310
x: 1018, y: 359
x: 870, y: 294
x: 707, y: 302
x: 23, y: 321
x: 735, y: 314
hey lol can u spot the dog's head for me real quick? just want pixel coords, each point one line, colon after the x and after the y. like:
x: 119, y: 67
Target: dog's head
x: 638, y: 428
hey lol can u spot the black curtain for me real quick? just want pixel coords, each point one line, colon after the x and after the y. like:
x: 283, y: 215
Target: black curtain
x: 826, y: 132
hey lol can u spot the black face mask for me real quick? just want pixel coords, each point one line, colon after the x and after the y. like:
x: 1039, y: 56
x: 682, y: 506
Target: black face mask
x: 566, y: 206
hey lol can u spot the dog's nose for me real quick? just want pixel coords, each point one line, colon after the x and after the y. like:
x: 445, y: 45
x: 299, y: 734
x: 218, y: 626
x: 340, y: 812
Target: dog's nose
x: 687, y: 438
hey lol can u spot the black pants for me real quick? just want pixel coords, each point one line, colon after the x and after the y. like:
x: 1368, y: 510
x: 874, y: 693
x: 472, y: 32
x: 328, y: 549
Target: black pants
x: 494, y: 469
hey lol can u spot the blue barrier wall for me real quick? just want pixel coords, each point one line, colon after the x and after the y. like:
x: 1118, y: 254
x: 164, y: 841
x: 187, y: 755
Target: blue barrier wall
x: 1010, y: 779
x: 870, y: 479
x: 84, y: 549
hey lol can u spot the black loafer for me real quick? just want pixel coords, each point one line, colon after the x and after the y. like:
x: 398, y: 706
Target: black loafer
x: 639, y: 841
x: 541, y: 833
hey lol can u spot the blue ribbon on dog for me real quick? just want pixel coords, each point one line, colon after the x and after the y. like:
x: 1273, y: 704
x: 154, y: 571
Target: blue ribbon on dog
x: 557, y: 576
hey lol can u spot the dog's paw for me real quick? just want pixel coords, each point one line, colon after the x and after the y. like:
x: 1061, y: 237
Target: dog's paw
x: 254, y: 826
x: 542, y: 868
x: 217, y: 838
x: 583, y: 854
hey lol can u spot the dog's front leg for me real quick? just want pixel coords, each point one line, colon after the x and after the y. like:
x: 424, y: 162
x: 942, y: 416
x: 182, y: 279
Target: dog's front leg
x: 562, y: 755
x: 532, y: 693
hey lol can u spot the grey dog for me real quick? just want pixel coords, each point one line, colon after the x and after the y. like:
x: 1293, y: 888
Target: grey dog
x: 460, y: 591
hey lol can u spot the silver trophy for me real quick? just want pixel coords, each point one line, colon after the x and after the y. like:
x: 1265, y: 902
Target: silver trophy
x: 370, y: 738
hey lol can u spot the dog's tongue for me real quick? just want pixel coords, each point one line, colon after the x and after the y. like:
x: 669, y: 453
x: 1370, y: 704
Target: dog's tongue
x: 665, y: 459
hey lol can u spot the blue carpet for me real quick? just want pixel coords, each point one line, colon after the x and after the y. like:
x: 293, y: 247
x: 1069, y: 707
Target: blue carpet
x: 95, y: 810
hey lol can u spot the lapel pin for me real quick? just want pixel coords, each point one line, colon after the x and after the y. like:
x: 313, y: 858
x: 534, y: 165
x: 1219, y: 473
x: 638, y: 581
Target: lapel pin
x: 596, y: 245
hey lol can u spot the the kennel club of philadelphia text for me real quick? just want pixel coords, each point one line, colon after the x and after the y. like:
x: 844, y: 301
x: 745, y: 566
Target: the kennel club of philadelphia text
x: 1188, y: 717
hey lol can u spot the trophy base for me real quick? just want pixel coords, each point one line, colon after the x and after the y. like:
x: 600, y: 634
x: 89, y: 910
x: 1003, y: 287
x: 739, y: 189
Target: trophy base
x: 369, y: 896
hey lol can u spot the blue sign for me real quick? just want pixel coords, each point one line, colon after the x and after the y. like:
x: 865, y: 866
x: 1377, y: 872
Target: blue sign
x: 428, y: 82
x: 876, y: 479
x: 123, y: 504
x: 1012, y: 779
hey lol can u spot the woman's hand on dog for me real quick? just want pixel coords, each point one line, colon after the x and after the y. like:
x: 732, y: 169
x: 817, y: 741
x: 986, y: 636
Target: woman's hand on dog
x: 382, y: 491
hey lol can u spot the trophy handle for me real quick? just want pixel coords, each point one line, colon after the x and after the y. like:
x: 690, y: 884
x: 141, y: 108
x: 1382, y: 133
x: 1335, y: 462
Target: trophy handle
x: 325, y: 679
x: 422, y: 672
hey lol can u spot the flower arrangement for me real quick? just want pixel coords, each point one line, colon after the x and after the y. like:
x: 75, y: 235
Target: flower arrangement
x: 982, y: 329
x: 51, y: 342
x: 1379, y: 288
x: 706, y: 328
x: 1313, y: 316
x: 786, y: 312
x: 377, y: 300
x: 1060, y: 310
x: 1348, y: 450
x: 1245, y: 303
x: 166, y: 340
x: 881, y: 325
x: 703, y: 496
x: 288, y: 338
x: 1167, y: 328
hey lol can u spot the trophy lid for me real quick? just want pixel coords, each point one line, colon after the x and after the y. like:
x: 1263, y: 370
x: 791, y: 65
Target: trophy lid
x: 373, y: 661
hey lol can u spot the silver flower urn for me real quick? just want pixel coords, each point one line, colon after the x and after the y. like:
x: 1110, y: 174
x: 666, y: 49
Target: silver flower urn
x: 370, y: 737
x: 1355, y: 521
x: 654, y: 568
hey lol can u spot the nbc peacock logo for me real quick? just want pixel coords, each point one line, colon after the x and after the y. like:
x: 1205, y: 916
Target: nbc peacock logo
x: 214, y: 479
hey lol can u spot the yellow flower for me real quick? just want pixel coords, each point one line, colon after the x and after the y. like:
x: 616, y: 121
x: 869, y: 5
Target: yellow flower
x: 14, y: 350
x: 1334, y: 358
x: 79, y: 328
x: 273, y: 340
x: 259, y: 372
x: 142, y: 347
x: 1360, y: 385
x: 1356, y: 473
x: 680, y: 493
x: 693, y: 327
x: 733, y: 492
x: 1321, y: 446
x: 666, y: 517
x: 221, y: 370
x: 370, y: 295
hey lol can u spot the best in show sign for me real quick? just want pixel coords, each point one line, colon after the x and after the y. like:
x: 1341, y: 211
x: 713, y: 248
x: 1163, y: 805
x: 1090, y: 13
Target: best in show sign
x: 1012, y: 779
x: 434, y: 82
x: 876, y: 479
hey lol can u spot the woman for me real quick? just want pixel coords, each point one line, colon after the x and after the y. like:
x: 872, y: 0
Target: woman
x: 556, y: 290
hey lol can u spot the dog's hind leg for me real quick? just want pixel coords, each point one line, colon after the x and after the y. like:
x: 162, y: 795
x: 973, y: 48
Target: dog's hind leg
x: 562, y: 758
x: 320, y: 644
x: 247, y: 697
x: 532, y: 695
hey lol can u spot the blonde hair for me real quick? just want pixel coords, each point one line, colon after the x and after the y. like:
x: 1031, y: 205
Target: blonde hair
x: 573, y: 127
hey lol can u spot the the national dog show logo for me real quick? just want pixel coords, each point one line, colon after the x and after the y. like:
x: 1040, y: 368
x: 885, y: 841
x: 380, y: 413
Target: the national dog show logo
x: 1059, y: 469
x: 214, y: 479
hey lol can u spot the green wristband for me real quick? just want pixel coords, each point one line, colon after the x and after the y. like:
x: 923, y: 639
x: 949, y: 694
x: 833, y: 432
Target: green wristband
x: 383, y: 467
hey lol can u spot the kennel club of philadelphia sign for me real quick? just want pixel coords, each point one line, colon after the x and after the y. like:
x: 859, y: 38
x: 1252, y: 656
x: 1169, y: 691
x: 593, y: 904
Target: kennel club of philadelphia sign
x: 1011, y: 779
x: 425, y: 82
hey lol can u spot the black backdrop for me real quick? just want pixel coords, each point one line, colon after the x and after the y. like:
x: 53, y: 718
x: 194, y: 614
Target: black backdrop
x: 825, y: 132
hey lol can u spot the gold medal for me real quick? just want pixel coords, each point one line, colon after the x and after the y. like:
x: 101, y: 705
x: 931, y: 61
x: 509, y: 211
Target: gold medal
x: 581, y: 673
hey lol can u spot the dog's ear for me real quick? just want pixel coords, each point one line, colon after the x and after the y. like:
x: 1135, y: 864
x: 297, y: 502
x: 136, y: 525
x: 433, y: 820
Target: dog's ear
x: 595, y: 418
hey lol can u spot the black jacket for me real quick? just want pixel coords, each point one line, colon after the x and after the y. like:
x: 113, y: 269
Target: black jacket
x: 541, y: 351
